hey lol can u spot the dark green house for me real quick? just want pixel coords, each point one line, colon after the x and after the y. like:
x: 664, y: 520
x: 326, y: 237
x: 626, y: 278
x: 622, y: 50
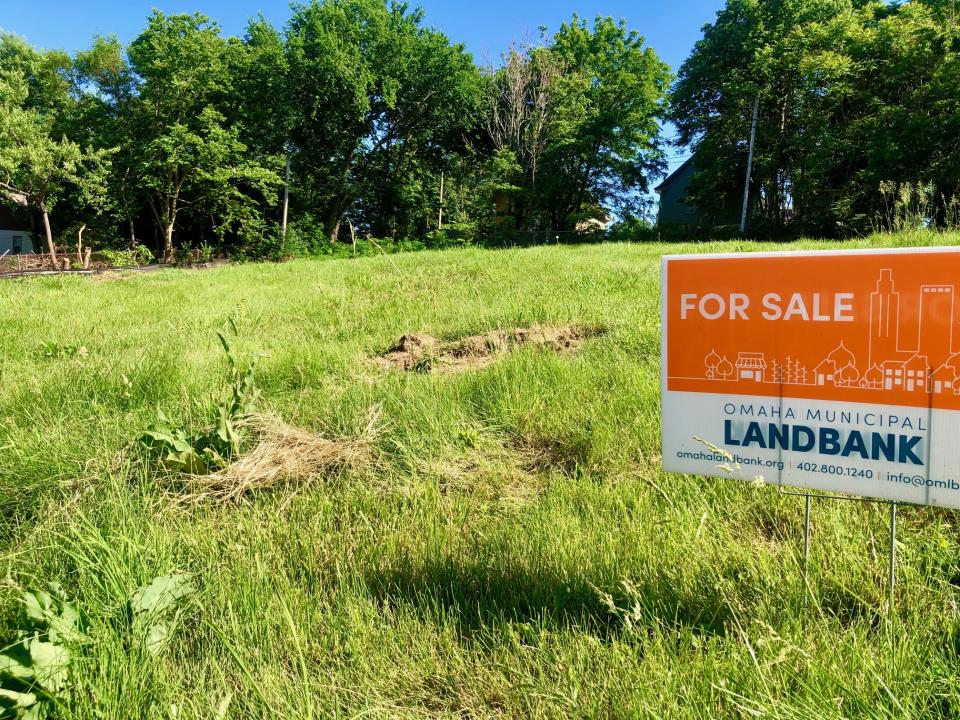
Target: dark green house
x: 677, y: 210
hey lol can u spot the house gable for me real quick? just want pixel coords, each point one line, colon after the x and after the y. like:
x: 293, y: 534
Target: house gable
x: 675, y: 208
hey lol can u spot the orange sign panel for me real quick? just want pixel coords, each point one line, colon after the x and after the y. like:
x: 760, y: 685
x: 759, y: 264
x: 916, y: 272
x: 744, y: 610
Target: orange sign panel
x: 874, y: 328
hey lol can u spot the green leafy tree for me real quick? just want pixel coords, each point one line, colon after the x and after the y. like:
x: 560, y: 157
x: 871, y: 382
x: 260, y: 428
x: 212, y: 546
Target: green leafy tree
x: 853, y: 94
x: 47, y: 74
x: 604, y: 137
x: 37, y: 169
x: 372, y: 91
x: 186, y: 151
x: 578, y: 118
x: 791, y: 54
x: 105, y: 87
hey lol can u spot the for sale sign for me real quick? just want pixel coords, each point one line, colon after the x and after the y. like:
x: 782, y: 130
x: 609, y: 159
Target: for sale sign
x: 827, y: 370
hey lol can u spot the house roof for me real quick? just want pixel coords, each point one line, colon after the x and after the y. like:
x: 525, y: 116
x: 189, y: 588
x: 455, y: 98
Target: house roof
x: 826, y: 366
x: 673, y: 176
x: 751, y: 361
x: 914, y: 362
x: 945, y: 372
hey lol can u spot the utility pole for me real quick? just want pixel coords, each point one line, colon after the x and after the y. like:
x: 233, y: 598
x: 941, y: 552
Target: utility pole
x: 746, y: 185
x: 286, y: 198
x: 440, y: 219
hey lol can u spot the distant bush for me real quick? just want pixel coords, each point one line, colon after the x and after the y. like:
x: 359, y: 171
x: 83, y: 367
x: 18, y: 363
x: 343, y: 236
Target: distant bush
x: 140, y: 255
x: 633, y: 230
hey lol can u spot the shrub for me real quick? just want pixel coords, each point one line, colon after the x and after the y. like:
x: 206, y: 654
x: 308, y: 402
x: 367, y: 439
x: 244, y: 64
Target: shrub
x: 140, y: 255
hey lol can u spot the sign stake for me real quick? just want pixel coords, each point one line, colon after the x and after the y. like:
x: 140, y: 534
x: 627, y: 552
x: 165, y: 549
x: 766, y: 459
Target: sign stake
x: 893, y: 569
x: 806, y: 552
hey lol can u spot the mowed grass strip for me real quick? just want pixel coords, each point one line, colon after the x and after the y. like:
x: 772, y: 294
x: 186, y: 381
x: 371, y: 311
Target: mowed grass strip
x: 514, y: 551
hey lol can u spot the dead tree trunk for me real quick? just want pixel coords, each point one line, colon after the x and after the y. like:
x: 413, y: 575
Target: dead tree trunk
x: 80, y: 243
x: 51, y: 248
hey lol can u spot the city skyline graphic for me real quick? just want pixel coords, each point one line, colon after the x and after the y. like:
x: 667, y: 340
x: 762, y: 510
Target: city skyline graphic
x: 907, y: 353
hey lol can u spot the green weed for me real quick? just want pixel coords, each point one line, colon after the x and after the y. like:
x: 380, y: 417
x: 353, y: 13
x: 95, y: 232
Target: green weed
x: 199, y: 454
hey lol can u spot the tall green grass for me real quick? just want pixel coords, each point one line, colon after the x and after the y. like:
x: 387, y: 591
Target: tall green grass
x: 516, y: 553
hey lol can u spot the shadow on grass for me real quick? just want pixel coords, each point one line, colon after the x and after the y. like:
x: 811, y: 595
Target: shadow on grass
x: 479, y: 597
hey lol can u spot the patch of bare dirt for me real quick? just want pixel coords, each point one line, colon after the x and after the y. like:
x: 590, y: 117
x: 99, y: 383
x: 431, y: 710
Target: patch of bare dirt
x: 425, y: 353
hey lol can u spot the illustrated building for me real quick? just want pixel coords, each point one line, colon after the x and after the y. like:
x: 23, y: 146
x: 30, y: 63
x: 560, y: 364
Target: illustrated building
x: 751, y: 366
x: 884, y: 321
x: 825, y: 372
x: 944, y: 379
x: 936, y: 313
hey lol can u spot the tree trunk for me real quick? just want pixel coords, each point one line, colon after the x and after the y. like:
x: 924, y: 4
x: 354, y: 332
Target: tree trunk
x: 286, y: 201
x: 133, y: 233
x: 80, y: 243
x: 336, y: 211
x: 353, y: 236
x: 51, y: 248
x: 168, y: 242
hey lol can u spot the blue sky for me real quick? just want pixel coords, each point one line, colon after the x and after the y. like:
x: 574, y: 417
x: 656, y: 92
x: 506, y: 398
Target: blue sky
x: 486, y: 27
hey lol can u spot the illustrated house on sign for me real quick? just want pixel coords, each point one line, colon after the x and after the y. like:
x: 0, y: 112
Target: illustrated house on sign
x: 944, y: 380
x: 825, y: 372
x: 917, y: 372
x: 892, y: 375
x: 911, y: 375
x: 751, y: 366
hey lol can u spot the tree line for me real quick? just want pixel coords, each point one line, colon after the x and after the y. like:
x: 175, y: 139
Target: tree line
x: 859, y: 113
x: 355, y: 119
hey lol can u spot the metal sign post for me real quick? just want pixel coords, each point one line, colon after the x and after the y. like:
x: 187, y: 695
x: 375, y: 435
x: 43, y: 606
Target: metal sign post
x: 892, y: 557
x: 893, y: 569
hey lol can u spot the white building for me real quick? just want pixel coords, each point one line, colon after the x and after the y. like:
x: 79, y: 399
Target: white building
x: 15, y: 235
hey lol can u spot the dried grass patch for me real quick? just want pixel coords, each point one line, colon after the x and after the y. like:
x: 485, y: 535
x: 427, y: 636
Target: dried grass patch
x: 283, y: 457
x: 494, y: 476
x: 108, y: 276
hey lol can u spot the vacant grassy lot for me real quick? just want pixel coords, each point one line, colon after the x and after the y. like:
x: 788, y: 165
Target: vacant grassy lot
x: 510, y: 548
